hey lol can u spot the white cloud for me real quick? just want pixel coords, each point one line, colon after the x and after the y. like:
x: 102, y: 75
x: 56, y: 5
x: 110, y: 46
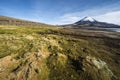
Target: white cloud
x: 73, y: 17
x: 108, y: 13
x: 68, y: 19
x: 111, y: 17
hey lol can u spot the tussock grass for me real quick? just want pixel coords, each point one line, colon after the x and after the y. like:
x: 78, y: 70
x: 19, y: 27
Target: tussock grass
x: 52, y: 53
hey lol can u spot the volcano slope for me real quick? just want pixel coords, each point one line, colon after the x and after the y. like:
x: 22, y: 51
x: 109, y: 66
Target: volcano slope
x: 54, y: 53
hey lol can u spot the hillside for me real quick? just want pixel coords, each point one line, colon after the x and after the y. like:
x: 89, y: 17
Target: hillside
x: 19, y: 22
x: 54, y: 53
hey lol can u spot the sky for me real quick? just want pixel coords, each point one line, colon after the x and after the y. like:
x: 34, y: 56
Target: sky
x: 61, y: 11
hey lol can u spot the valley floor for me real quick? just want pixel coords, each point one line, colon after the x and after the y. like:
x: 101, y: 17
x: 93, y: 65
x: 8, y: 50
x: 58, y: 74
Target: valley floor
x: 54, y: 53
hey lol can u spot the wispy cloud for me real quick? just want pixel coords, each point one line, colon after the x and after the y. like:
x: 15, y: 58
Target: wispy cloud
x: 109, y: 13
x: 62, y: 13
x: 111, y: 17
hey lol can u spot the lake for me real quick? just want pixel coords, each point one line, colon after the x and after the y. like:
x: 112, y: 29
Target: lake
x: 113, y: 29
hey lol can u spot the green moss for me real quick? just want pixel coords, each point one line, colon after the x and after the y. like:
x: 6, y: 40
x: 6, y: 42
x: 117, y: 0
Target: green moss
x: 53, y: 49
x: 59, y: 69
x: 44, y: 72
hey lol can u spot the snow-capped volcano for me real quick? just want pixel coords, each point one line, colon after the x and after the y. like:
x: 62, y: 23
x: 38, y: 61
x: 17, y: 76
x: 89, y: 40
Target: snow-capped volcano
x: 89, y: 21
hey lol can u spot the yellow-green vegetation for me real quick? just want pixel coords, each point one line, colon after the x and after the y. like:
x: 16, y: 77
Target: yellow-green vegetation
x: 54, y: 53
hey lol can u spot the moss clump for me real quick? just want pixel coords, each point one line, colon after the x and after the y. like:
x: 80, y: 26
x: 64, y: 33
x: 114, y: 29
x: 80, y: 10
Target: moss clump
x: 60, y: 68
x: 54, y: 49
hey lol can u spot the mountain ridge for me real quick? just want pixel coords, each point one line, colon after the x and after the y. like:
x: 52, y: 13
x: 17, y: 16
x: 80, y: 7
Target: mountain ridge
x: 5, y: 20
x: 88, y: 19
x: 92, y: 22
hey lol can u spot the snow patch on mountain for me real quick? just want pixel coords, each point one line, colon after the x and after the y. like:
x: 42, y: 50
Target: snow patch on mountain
x: 88, y: 19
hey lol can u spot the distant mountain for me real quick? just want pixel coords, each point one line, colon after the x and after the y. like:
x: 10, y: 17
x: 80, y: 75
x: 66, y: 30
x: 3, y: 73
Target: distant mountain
x: 88, y: 21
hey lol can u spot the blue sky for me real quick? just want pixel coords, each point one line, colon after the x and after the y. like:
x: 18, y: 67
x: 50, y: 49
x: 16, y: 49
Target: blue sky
x: 61, y: 11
